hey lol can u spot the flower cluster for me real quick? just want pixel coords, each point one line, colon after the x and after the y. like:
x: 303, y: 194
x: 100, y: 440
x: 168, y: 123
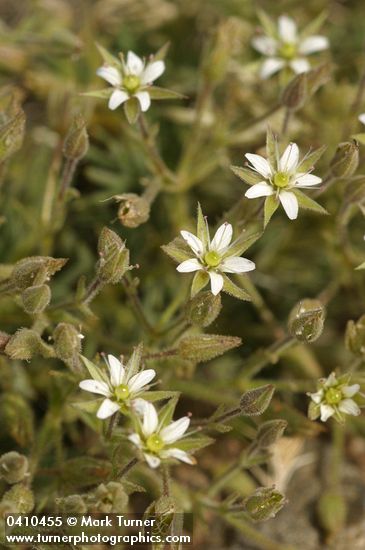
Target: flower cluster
x: 285, y: 47
x: 334, y: 398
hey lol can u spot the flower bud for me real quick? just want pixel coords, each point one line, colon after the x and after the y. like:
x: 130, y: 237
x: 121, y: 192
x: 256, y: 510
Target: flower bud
x: 35, y: 299
x: 12, y: 135
x: 67, y: 344
x: 346, y: 159
x: 255, y: 402
x: 35, y: 270
x: 26, y: 343
x: 73, y: 504
x: 133, y: 210
x: 203, y: 347
x: 306, y: 320
x: 264, y: 504
x: 331, y: 511
x: 355, y: 336
x: 13, y: 467
x: 76, y: 142
x: 20, y: 498
x: 114, y: 257
x: 296, y: 93
x: 110, y: 497
x: 203, y: 309
x: 269, y: 432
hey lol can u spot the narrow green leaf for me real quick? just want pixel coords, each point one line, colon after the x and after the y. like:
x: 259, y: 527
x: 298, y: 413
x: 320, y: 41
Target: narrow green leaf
x: 134, y: 363
x: 247, y: 175
x: 230, y: 288
x: 108, y: 57
x: 311, y: 158
x: 271, y: 205
x: 271, y: 148
x: 132, y: 109
x: 159, y: 395
x: 178, y: 250
x: 201, y: 279
x: 202, y: 229
x: 203, y: 347
x: 314, y: 26
x: 105, y: 93
x: 162, y: 52
x: 162, y: 93
x: 309, y: 204
x: 94, y: 371
x: 242, y: 243
x: 167, y: 412
x: 267, y: 23
x: 194, y: 443
x: 88, y: 406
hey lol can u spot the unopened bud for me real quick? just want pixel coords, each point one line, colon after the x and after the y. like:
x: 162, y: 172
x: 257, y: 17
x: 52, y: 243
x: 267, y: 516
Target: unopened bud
x: 76, y: 142
x: 264, y: 504
x: 110, y: 497
x: 346, y: 160
x: 355, y: 336
x: 134, y: 210
x: 255, y: 402
x: 296, y: 93
x: 269, y: 432
x: 12, y: 135
x: 35, y: 299
x: 26, y: 343
x: 67, y: 344
x: 203, y: 309
x: 332, y: 511
x: 114, y: 257
x: 73, y: 504
x: 203, y: 347
x: 13, y: 467
x: 35, y: 270
x: 20, y: 498
x: 306, y: 320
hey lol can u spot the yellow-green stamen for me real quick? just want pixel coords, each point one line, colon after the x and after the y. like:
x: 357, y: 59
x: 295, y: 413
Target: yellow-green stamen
x: 131, y: 83
x: 122, y: 392
x: 333, y: 396
x: 281, y: 180
x: 155, y: 443
x: 212, y: 258
x: 288, y: 50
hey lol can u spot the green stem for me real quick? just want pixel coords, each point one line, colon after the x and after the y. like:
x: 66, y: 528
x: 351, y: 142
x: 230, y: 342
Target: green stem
x: 160, y: 167
x: 135, y: 302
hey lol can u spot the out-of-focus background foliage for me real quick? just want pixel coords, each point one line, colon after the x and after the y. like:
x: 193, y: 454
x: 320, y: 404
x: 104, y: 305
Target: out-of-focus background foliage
x: 48, y: 58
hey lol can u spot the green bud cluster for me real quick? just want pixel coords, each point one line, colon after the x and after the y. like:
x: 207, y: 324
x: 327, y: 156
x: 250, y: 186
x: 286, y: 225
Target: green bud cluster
x: 306, y: 320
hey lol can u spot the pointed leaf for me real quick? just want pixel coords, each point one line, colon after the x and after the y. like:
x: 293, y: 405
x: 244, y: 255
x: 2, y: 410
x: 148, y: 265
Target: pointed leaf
x: 105, y: 93
x: 272, y: 147
x: 95, y: 372
x: 267, y: 23
x: 242, y: 243
x: 108, y: 58
x: 314, y: 26
x: 230, y: 288
x: 88, y: 406
x: 163, y: 93
x: 134, y: 363
x: 166, y: 413
x: 271, y: 205
x: 159, y: 395
x: 311, y: 158
x: 194, y: 443
x: 247, y: 175
x: 203, y: 347
x: 201, y: 279
x: 202, y: 230
x: 309, y: 204
x: 178, y: 250
x: 132, y: 109
x: 162, y: 52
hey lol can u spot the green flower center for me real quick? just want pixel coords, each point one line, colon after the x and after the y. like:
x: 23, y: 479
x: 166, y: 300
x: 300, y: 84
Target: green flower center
x: 281, y: 179
x: 288, y: 50
x: 122, y: 392
x: 212, y: 258
x: 333, y: 396
x: 131, y: 83
x: 155, y: 443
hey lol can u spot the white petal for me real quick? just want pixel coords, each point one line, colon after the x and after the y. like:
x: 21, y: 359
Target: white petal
x: 326, y: 412
x: 362, y: 118
x: 290, y: 158
x: 349, y: 406
x: 287, y: 29
x: 141, y: 379
x: 271, y: 66
x: 222, y: 238
x: 175, y: 430
x: 307, y: 180
x: 189, y: 265
x: 135, y: 439
x: 313, y: 44
x: 153, y: 71
x: 331, y: 380
x: 139, y: 405
x: 94, y: 386
x: 349, y: 391
x: 107, y: 408
x: 300, y: 65
x: 261, y: 189
x: 117, y: 98
x: 216, y: 282
x: 317, y: 396
x: 235, y: 264
x: 116, y: 371
x: 144, y: 100
x: 110, y: 74
x: 260, y: 164
x: 194, y: 242
x: 290, y: 204
x: 152, y: 460
x: 134, y: 64
x: 179, y: 455
x: 265, y: 45
x: 150, y: 419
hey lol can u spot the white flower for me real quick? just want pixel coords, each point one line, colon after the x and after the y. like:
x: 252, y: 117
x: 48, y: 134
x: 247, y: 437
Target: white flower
x: 214, y: 257
x: 287, y: 49
x: 131, y: 79
x: 281, y: 178
x: 155, y: 440
x: 333, y: 398
x: 120, y: 389
x: 362, y: 118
